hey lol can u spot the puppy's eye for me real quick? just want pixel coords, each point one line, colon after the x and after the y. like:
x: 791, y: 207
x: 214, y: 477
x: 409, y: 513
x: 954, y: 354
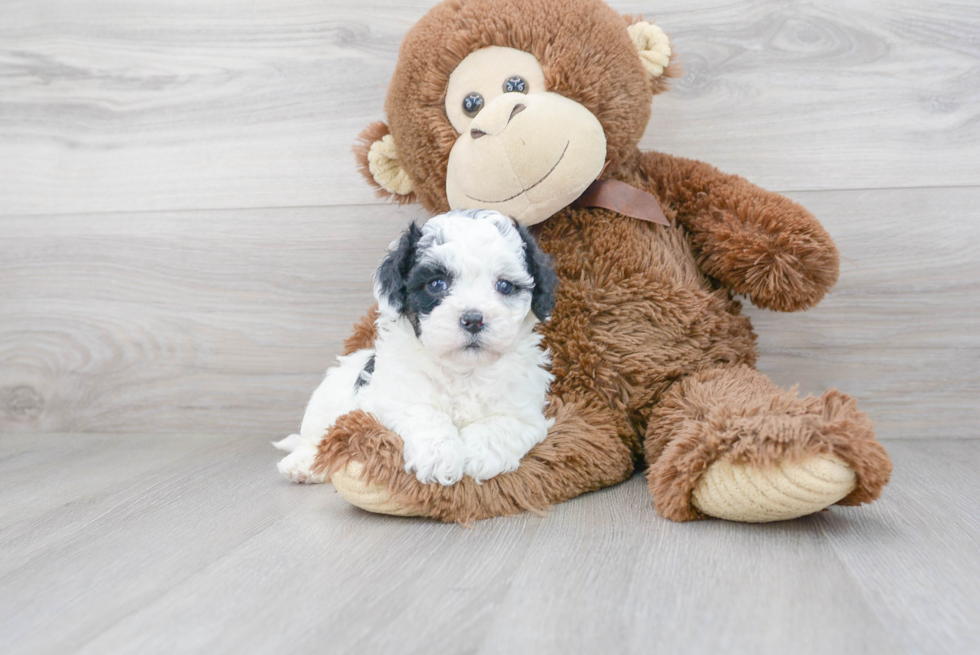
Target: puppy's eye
x: 504, y: 287
x: 472, y: 104
x: 438, y: 286
x: 515, y: 84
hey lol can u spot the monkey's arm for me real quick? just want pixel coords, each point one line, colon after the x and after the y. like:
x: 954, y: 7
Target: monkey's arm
x: 753, y: 241
x: 582, y: 452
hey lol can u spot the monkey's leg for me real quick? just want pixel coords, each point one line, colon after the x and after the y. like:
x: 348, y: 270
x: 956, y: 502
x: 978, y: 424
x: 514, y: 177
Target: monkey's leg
x: 583, y: 451
x: 729, y: 443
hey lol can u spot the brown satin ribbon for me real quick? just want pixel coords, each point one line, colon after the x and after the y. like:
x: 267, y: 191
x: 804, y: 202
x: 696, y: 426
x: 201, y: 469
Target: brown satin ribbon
x: 623, y: 199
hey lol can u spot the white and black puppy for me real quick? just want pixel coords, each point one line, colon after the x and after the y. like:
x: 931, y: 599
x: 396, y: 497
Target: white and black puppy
x: 457, y: 370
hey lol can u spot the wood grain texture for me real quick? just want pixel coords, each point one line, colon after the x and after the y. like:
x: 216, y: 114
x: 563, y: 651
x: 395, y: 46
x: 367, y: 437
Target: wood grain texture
x: 217, y: 321
x: 209, y: 551
x: 918, y: 553
x: 630, y: 582
x: 177, y: 104
x: 224, y: 321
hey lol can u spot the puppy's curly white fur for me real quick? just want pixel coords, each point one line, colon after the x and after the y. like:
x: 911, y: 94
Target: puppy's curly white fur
x: 457, y: 370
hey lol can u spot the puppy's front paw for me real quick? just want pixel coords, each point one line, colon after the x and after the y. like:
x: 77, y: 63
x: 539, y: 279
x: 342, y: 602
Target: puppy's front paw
x: 297, y: 466
x: 436, y: 460
x: 483, y: 461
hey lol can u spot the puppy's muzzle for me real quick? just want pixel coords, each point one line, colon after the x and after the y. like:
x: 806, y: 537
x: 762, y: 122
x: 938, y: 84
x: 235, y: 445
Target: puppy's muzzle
x: 472, y: 322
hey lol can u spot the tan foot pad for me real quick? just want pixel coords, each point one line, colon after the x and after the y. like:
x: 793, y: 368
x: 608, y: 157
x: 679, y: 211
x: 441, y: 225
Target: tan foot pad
x: 740, y: 492
x: 371, y: 497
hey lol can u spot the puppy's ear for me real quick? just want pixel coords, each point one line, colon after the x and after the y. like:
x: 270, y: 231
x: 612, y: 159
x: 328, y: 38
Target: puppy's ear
x: 378, y: 161
x: 539, y: 266
x: 389, y: 281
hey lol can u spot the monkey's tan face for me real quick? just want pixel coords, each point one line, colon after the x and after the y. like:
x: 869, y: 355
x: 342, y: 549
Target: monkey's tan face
x: 521, y: 150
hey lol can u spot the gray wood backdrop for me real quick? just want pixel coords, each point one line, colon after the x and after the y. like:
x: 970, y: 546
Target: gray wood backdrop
x: 185, y: 241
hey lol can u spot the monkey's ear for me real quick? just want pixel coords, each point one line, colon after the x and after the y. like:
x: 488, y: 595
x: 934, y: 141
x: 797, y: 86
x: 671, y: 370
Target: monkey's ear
x: 653, y: 47
x: 377, y: 159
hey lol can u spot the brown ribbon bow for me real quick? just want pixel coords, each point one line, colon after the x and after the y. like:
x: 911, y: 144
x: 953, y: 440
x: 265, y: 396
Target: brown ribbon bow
x: 623, y: 199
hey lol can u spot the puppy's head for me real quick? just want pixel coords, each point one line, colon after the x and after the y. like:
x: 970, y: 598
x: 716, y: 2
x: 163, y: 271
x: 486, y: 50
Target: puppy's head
x: 469, y: 282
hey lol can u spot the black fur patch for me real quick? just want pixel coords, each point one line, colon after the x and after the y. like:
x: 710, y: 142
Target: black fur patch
x: 539, y: 267
x: 393, y: 272
x: 406, y: 283
x: 421, y: 300
x: 364, y: 377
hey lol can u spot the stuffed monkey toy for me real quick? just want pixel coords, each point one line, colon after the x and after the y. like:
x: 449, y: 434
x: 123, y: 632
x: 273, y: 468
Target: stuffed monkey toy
x: 535, y: 108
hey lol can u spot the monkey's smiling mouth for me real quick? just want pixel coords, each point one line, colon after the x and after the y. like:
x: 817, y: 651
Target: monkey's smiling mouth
x: 552, y: 170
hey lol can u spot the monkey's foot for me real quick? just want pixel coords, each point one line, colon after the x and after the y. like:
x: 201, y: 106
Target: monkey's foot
x: 780, y: 491
x: 352, y: 487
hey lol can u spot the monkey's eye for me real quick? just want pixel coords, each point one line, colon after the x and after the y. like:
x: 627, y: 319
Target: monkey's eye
x: 438, y: 285
x: 472, y: 104
x: 504, y: 287
x: 515, y: 84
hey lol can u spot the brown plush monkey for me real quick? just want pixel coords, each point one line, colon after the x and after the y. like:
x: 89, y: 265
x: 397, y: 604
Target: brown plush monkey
x: 518, y: 106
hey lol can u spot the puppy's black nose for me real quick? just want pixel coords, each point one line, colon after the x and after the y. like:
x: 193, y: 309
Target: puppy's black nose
x: 472, y: 322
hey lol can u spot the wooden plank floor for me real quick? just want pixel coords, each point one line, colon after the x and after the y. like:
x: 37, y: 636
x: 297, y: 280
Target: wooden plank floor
x: 136, y: 543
